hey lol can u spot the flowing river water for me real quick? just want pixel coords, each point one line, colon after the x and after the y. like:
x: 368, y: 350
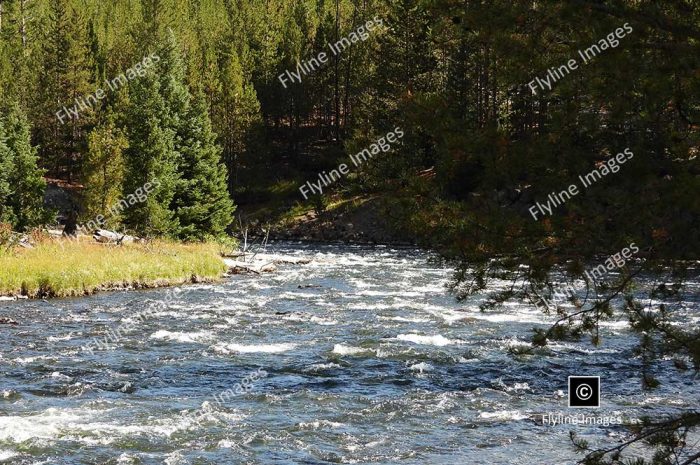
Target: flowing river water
x: 360, y: 356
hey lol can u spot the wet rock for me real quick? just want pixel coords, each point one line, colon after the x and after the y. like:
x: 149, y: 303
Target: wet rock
x: 10, y: 394
x: 7, y: 321
x: 125, y: 387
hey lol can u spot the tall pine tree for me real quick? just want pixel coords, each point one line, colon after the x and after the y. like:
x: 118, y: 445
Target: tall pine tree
x: 27, y: 185
x: 65, y: 76
x: 6, y: 159
x: 150, y: 158
x: 18, y: 41
x: 237, y: 119
x: 103, y: 172
x: 202, y: 202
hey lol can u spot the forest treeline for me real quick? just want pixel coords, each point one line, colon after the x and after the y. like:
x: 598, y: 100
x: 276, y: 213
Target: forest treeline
x: 210, y: 121
x: 211, y: 109
x: 481, y: 146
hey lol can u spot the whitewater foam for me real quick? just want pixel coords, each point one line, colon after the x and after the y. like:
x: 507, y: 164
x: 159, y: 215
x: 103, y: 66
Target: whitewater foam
x: 201, y: 336
x: 342, y: 349
x: 319, y: 424
x: 7, y: 454
x: 438, y: 340
x: 503, y: 415
x: 255, y: 348
x: 421, y: 367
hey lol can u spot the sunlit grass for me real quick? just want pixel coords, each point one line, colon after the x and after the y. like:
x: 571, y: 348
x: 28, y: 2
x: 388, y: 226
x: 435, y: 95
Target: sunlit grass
x: 69, y: 268
x: 298, y: 209
x: 285, y: 188
x: 345, y: 203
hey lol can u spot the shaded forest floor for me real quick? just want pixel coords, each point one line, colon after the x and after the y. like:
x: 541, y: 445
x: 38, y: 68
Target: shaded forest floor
x: 350, y: 218
x: 269, y: 199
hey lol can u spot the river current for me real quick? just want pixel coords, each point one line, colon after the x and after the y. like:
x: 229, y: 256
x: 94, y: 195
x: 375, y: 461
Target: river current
x: 360, y: 356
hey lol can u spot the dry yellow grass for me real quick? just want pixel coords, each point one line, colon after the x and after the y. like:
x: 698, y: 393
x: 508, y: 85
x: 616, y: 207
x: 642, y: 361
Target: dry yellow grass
x: 63, y: 268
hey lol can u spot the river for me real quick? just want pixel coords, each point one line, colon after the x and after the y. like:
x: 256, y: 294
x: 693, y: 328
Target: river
x: 360, y: 356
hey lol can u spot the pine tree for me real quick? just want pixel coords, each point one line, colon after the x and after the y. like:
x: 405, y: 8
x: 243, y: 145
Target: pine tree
x: 26, y: 182
x: 103, y: 173
x: 172, y: 85
x: 150, y: 159
x: 64, y: 77
x: 237, y: 119
x: 202, y: 202
x: 6, y: 214
x: 18, y: 41
x: 157, y: 14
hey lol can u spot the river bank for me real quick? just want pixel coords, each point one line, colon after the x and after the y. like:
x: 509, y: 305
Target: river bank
x: 69, y: 268
x: 345, y: 219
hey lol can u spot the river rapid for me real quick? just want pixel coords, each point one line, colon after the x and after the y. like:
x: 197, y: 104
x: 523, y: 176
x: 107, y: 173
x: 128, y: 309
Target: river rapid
x: 360, y: 356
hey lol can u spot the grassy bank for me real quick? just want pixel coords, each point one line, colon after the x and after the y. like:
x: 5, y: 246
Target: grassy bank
x: 70, y: 268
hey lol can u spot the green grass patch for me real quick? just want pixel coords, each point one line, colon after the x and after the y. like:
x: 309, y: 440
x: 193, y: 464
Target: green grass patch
x: 65, y: 268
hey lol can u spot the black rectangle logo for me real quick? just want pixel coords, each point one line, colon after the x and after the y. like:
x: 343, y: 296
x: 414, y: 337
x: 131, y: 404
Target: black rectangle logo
x: 584, y: 391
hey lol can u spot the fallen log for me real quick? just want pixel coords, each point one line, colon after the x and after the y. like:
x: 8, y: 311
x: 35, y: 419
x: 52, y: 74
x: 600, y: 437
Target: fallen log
x: 292, y: 261
x: 107, y: 237
x: 241, y: 269
x: 103, y: 235
x: 268, y: 268
x: 236, y: 267
x: 234, y: 255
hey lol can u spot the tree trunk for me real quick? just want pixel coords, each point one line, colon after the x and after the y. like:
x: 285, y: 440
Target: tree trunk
x: 23, y: 22
x: 337, y: 72
x: 346, y: 104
